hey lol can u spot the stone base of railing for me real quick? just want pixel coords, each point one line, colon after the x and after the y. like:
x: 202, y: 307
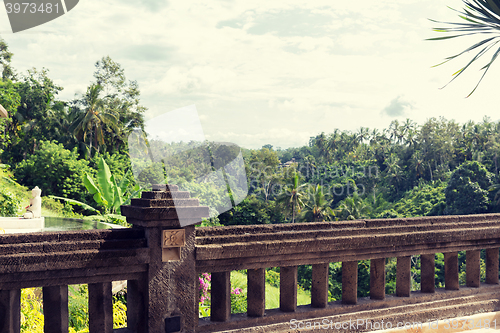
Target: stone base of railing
x: 367, y: 315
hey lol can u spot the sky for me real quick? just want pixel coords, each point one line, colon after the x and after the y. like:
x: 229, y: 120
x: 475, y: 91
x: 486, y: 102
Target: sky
x: 267, y: 72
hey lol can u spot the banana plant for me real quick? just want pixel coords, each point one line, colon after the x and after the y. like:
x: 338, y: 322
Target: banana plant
x: 107, y: 192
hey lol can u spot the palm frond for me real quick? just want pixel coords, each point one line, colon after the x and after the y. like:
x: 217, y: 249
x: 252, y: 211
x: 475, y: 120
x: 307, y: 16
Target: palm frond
x: 481, y: 17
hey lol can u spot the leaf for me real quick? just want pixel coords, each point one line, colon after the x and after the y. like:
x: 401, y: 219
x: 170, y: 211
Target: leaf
x: 105, y: 183
x: 76, y: 203
x: 90, y: 185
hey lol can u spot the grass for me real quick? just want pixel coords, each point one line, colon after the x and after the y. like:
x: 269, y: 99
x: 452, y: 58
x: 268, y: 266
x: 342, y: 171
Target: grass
x: 239, y: 280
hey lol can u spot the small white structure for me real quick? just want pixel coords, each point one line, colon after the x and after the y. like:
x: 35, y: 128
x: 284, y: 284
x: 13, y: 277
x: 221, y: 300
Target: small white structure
x: 34, y: 210
x: 32, y: 220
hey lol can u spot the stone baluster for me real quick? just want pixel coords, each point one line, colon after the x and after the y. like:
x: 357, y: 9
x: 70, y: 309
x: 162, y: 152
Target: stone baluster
x: 55, y: 309
x: 220, y: 302
x: 427, y: 273
x: 492, y: 266
x: 288, y: 288
x: 349, y: 282
x: 100, y: 308
x: 256, y: 294
x: 473, y: 268
x: 10, y: 311
x: 319, y: 285
x: 165, y: 299
x: 403, y: 277
x: 377, y: 278
x: 451, y: 271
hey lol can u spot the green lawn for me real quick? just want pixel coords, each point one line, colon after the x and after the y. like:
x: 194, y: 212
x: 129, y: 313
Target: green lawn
x: 239, y: 280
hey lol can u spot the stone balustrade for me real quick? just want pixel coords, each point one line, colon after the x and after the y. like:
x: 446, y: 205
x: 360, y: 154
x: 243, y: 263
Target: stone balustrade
x: 162, y: 269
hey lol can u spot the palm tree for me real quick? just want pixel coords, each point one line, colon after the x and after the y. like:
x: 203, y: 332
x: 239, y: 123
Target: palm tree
x: 352, y: 208
x: 291, y: 198
x: 93, y: 119
x: 317, y: 207
x: 482, y: 17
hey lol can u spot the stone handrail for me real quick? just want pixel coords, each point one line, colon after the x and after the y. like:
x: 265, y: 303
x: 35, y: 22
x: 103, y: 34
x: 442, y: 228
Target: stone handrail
x: 161, y: 269
x: 219, y: 250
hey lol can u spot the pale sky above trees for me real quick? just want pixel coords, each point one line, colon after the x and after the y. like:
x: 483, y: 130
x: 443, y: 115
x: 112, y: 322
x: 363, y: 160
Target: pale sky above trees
x: 262, y: 72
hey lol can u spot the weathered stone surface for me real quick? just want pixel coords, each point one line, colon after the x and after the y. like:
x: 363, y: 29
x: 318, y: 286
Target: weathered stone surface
x: 473, y: 268
x: 288, y: 288
x: 427, y: 273
x: 220, y: 306
x: 451, y: 271
x: 492, y: 266
x: 319, y: 285
x: 100, y: 308
x: 403, y: 277
x: 349, y: 282
x: 377, y: 278
x: 256, y: 293
x: 55, y: 309
x: 10, y: 311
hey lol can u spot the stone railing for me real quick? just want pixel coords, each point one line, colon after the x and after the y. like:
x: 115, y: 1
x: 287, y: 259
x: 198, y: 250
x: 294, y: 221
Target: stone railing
x: 161, y: 261
x: 219, y: 250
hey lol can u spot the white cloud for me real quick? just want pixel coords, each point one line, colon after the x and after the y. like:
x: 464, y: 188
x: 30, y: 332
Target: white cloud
x: 255, y: 86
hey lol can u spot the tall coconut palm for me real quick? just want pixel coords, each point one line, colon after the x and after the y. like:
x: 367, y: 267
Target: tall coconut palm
x: 481, y: 17
x: 317, y: 207
x: 291, y: 198
x: 352, y: 208
x: 93, y: 119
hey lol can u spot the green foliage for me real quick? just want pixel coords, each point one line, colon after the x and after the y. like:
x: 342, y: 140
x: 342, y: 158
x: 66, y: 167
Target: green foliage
x: 79, y: 314
x: 10, y: 205
x: 5, y: 60
x: 93, y: 120
x: 421, y: 200
x: 32, y: 319
x: 108, y: 193
x: 57, y: 171
x: 352, y: 208
x: 316, y: 206
x: 467, y: 190
x: 273, y: 277
x: 78, y: 307
x: 252, y: 211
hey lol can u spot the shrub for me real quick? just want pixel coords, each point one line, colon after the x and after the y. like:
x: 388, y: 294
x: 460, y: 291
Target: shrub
x: 10, y: 205
x: 57, y: 171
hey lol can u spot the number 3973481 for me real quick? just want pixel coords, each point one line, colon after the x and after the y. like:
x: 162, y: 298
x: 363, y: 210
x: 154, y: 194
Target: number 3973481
x: 31, y: 8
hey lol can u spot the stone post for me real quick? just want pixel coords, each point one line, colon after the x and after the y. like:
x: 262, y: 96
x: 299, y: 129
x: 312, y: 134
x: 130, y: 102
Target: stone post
x: 288, y: 288
x: 492, y: 266
x: 403, y: 277
x: 349, y: 282
x: 319, y: 285
x: 473, y: 268
x: 451, y: 271
x: 165, y: 299
x: 427, y: 272
x: 377, y: 278
x: 256, y: 299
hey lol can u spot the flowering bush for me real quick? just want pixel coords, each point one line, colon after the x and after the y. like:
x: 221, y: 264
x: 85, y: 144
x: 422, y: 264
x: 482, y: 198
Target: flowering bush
x: 238, y: 301
x: 238, y: 297
x: 204, y: 289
